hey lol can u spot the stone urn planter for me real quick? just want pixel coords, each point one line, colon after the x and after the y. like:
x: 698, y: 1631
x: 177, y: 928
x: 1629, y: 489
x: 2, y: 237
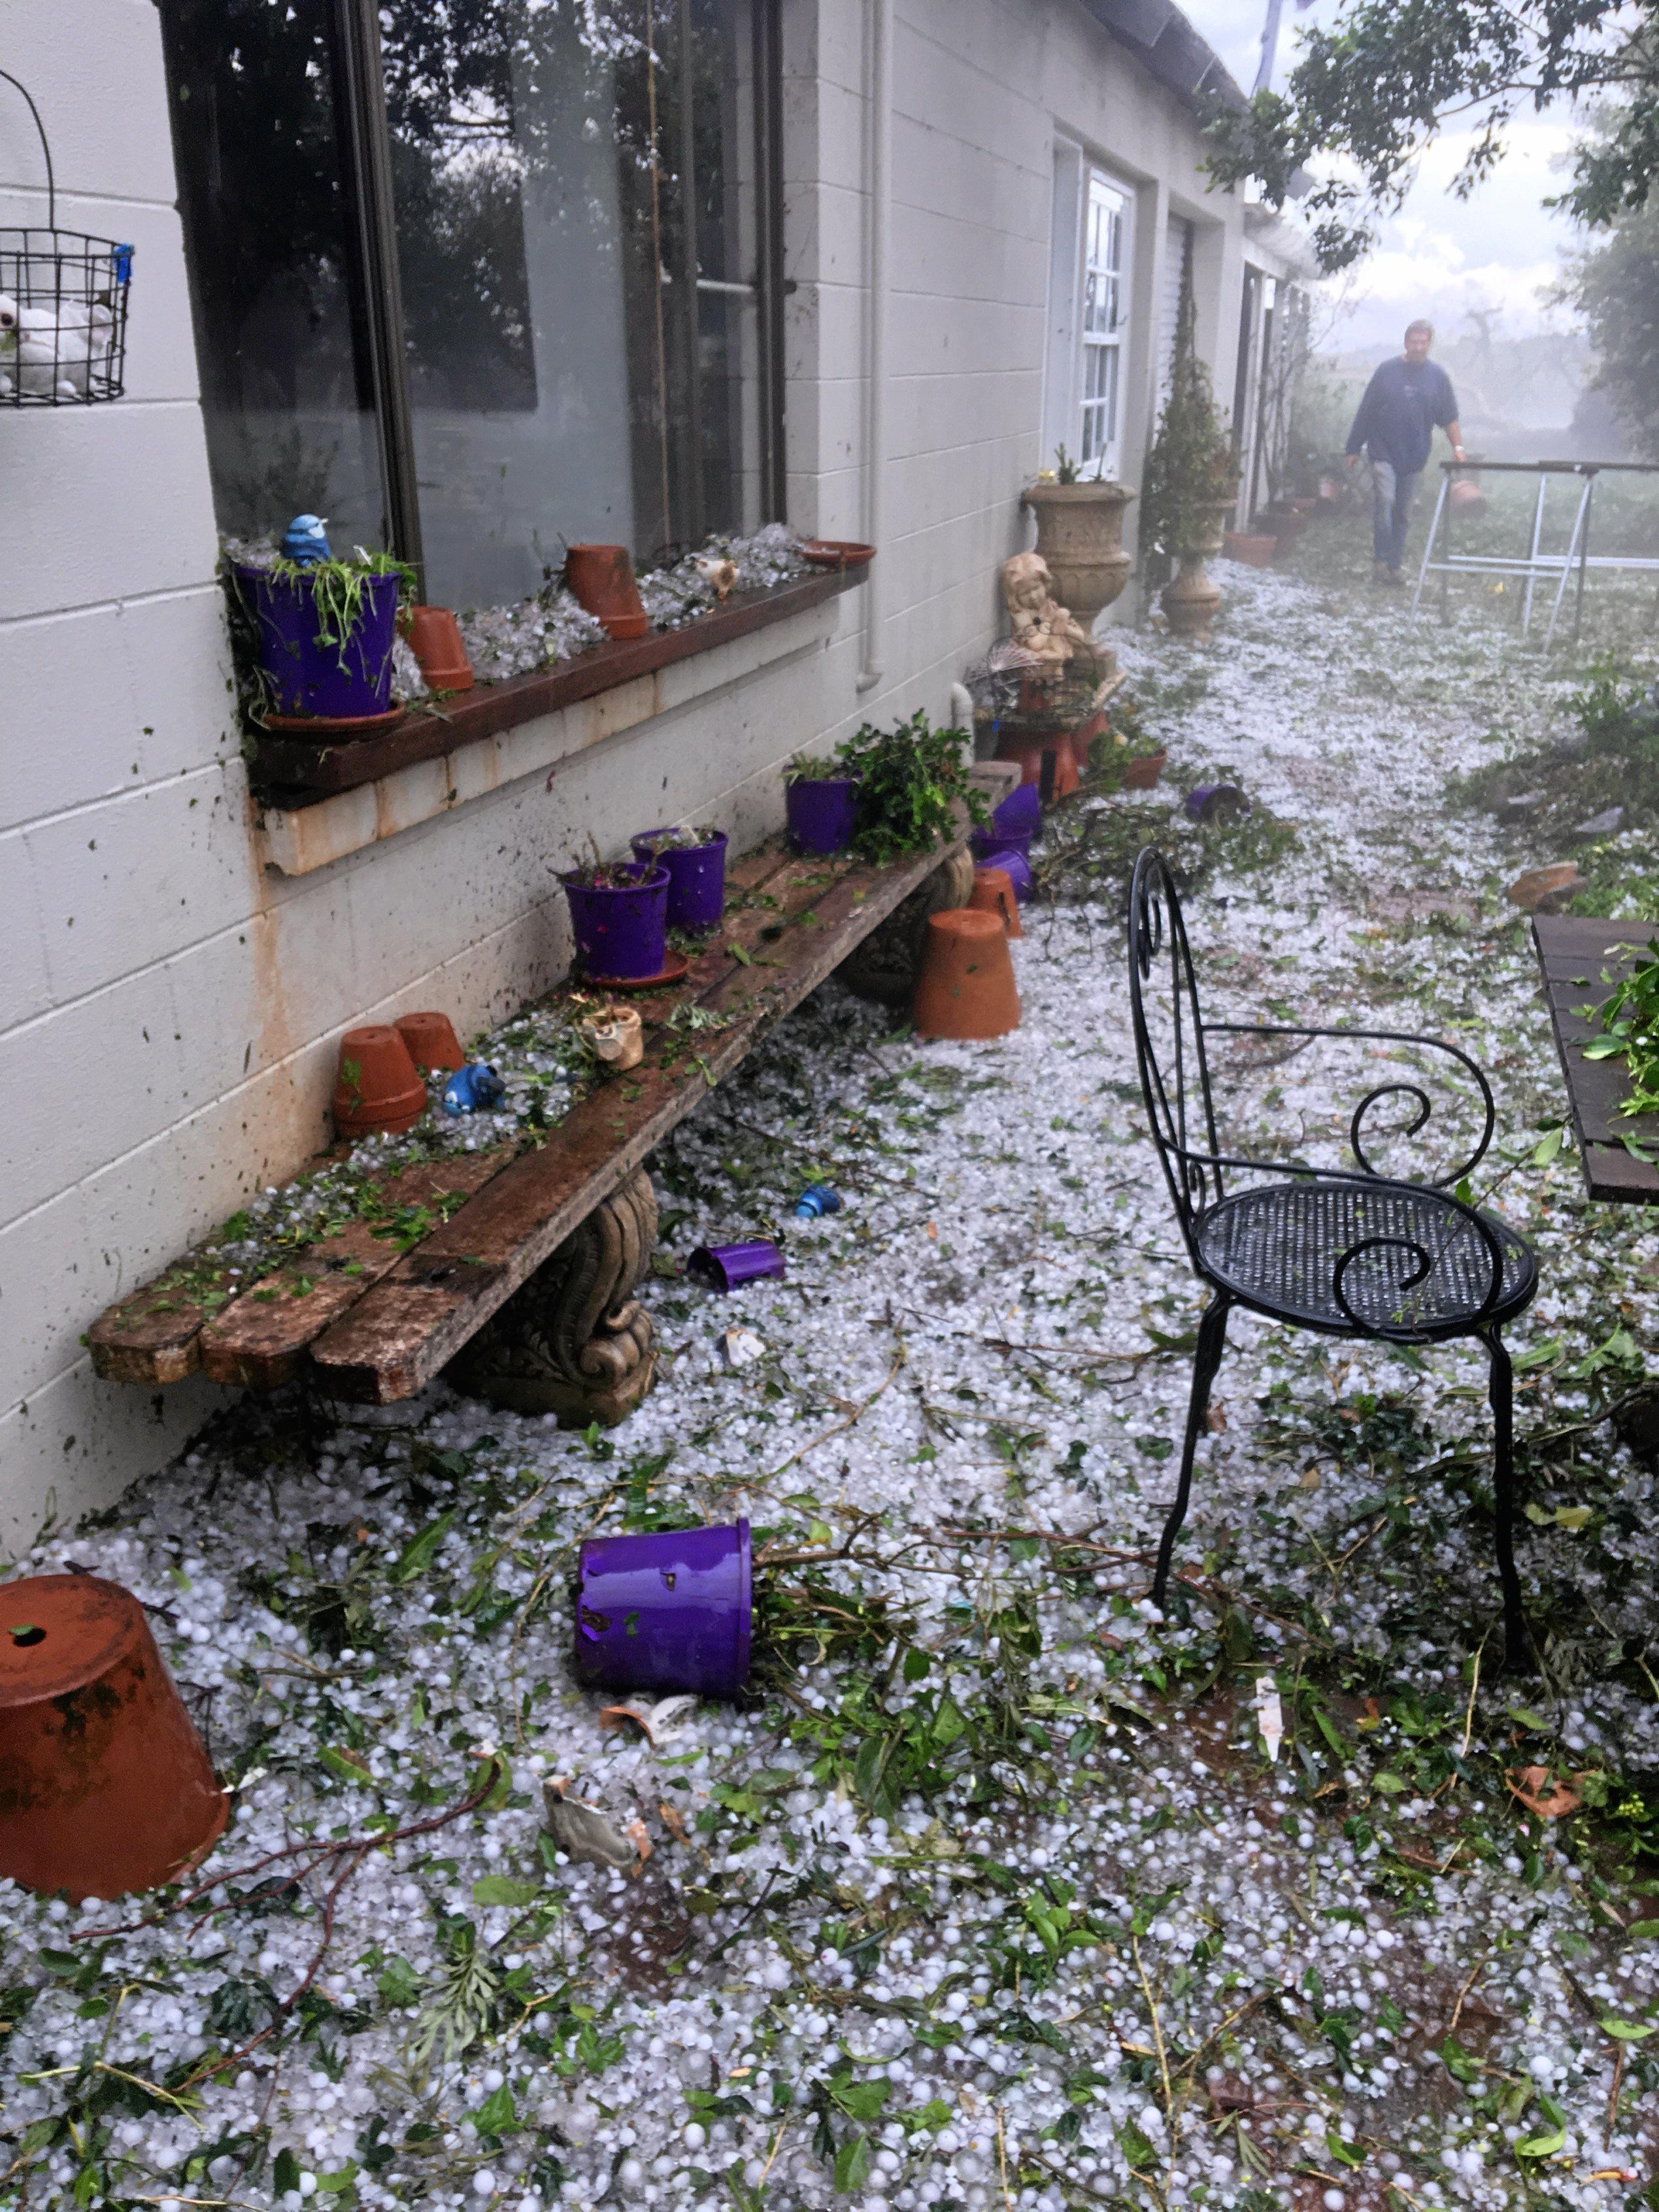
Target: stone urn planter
x: 1191, y: 596
x: 1080, y: 533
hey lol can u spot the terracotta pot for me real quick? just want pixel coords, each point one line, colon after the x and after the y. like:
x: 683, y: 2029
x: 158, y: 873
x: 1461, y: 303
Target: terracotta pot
x: 104, y: 1785
x: 1190, y: 599
x: 966, y: 988
x: 1080, y: 533
x: 433, y: 1045
x: 1255, y: 551
x: 1049, y: 765
x: 993, y: 893
x: 1537, y: 887
x: 1142, y: 772
x: 435, y: 641
x: 601, y: 577
x: 1466, y: 498
x: 379, y: 1087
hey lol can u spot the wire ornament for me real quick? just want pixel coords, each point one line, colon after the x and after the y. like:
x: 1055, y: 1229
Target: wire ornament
x: 63, y: 298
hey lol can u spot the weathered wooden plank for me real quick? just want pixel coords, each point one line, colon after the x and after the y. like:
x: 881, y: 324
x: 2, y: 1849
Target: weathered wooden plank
x: 411, y: 1324
x: 258, y: 1339
x: 154, y: 1337
x: 151, y: 1337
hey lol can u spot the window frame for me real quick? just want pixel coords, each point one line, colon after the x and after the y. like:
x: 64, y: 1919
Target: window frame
x: 1112, y: 346
x: 372, y: 214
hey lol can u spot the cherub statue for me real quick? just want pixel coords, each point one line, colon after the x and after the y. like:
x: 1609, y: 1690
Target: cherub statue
x: 1046, y: 630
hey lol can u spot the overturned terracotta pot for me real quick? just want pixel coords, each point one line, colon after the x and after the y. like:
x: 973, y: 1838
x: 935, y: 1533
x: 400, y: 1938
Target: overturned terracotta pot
x: 379, y: 1087
x: 1545, y: 887
x: 601, y: 578
x: 993, y: 893
x: 433, y: 1045
x: 104, y: 1786
x: 966, y: 988
x: 435, y: 639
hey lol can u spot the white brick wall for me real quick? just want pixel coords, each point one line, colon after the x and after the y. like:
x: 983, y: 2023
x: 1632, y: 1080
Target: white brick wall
x: 168, y: 1005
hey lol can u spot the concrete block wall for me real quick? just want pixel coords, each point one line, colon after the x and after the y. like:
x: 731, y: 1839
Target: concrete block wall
x: 169, y: 1005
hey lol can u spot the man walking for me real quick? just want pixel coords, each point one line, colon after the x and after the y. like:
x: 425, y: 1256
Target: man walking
x: 1394, y: 426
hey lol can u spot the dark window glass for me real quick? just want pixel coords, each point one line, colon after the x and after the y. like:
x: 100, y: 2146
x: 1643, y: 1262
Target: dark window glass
x: 583, y: 330
x: 275, y: 288
x: 576, y: 190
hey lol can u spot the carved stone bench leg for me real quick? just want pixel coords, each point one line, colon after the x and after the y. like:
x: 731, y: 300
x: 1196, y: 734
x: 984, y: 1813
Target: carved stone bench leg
x: 885, y: 966
x: 575, y: 1340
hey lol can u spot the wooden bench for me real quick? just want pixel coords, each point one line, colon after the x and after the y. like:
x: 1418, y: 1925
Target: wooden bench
x: 530, y: 1267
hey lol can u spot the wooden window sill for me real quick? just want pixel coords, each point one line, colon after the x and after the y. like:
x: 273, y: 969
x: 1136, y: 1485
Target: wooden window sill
x: 322, y: 802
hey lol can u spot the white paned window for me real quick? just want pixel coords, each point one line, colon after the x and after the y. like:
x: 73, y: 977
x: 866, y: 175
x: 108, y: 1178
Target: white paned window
x: 1104, y: 328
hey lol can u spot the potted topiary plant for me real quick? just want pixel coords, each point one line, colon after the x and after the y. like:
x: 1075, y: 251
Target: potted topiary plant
x: 1191, y: 482
x: 1080, y: 533
x: 321, y: 631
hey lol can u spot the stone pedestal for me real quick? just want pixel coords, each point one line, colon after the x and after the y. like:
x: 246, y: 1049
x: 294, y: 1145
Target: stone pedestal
x: 574, y: 1340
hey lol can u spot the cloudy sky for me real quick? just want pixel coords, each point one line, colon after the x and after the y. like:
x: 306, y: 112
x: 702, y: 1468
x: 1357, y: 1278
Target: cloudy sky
x: 1439, y: 256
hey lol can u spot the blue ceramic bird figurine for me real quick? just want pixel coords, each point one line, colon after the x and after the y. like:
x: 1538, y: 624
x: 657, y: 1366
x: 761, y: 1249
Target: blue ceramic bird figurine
x: 302, y: 541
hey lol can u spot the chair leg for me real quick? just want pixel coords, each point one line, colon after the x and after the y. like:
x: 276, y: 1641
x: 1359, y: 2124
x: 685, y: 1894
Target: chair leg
x: 1211, y: 1338
x: 1501, y: 1393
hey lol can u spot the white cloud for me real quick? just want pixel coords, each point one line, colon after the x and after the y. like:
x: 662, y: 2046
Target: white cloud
x: 1440, y: 255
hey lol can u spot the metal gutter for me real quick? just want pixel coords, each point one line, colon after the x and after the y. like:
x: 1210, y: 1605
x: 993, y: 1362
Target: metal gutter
x: 1169, y: 49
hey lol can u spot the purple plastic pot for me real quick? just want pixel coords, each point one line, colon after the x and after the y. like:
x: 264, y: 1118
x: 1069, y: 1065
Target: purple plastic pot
x: 1019, y: 815
x: 668, y: 1611
x: 822, y: 811
x: 697, y: 880
x: 1209, y: 801
x: 342, y: 682
x: 1019, y: 871
x: 621, y: 932
x: 728, y: 1267
x: 984, y: 842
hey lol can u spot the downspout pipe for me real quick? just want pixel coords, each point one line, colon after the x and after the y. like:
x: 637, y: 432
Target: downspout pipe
x: 879, y: 111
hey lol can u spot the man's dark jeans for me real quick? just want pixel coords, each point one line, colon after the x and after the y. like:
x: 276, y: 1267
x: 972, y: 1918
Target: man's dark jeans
x: 1393, y: 491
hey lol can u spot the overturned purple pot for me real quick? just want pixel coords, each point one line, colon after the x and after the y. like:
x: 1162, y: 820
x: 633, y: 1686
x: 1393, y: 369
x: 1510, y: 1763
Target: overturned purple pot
x: 728, y: 1267
x: 1019, y: 815
x: 821, y: 811
x: 984, y: 842
x: 1019, y: 870
x: 622, y: 930
x: 697, y: 879
x: 666, y: 1611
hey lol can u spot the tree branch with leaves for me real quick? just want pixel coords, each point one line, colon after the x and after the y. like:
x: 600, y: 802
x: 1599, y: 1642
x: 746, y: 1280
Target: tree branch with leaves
x: 1378, y: 86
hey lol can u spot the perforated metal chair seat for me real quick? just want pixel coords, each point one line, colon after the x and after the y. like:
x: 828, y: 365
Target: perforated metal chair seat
x: 1276, y: 1248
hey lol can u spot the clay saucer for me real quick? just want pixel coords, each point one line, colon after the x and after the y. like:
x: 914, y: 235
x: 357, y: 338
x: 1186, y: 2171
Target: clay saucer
x: 674, y: 970
x: 836, y: 552
x: 334, y: 726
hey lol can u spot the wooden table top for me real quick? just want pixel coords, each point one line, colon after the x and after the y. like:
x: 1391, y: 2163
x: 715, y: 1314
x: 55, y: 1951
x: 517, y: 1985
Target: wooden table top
x: 1583, y: 960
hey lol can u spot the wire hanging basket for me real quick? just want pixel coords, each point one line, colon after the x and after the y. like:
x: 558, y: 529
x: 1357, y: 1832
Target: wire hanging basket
x: 63, y: 306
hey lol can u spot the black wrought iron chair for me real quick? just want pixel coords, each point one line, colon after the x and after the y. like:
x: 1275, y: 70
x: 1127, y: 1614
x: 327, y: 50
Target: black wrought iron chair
x: 1350, y: 1253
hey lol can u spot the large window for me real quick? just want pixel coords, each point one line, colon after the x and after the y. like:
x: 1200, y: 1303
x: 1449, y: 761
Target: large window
x: 480, y: 278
